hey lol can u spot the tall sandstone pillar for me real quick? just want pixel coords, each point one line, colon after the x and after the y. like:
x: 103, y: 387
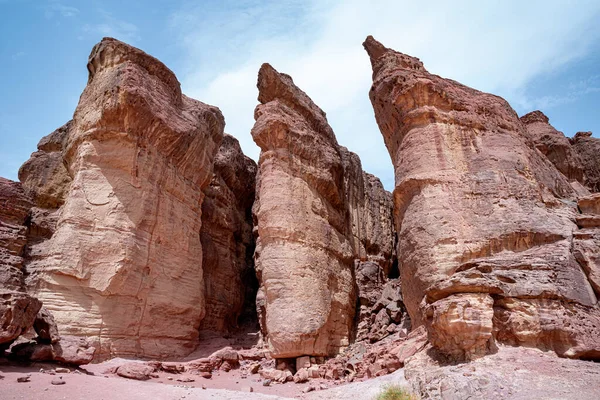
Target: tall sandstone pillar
x: 316, y: 213
x: 485, y: 221
x: 124, y: 265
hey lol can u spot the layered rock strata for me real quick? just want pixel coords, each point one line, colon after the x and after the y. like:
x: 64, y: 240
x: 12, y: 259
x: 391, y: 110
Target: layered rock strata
x: 316, y: 212
x: 485, y: 222
x: 227, y: 240
x: 18, y: 309
x: 124, y: 263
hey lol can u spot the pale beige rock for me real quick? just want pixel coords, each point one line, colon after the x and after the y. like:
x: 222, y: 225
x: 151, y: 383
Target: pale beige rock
x: 311, y: 198
x: 124, y: 265
x: 478, y: 210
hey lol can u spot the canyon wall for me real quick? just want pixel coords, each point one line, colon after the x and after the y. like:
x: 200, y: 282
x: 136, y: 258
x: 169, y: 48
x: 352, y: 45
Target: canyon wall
x: 316, y: 212
x: 123, y: 264
x: 17, y: 308
x: 227, y: 240
x: 485, y: 221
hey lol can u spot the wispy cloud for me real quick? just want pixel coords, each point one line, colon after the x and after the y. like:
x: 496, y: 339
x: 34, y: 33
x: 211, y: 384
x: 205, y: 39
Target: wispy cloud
x: 55, y: 8
x: 114, y: 27
x: 493, y: 46
x: 18, y: 55
x: 574, y: 91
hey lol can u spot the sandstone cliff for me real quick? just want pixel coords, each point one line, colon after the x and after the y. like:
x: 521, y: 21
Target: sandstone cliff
x: 485, y: 222
x: 17, y: 309
x: 123, y: 265
x: 227, y: 241
x: 316, y: 212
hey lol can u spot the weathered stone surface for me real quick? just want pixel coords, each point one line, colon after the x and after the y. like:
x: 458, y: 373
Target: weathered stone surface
x: 588, y: 148
x: 227, y: 241
x: 17, y: 309
x: 511, y: 373
x: 124, y: 264
x: 553, y: 144
x: 135, y: 370
x: 484, y: 220
x: 315, y: 212
x: 67, y: 350
x: 45, y: 327
x: 44, y: 175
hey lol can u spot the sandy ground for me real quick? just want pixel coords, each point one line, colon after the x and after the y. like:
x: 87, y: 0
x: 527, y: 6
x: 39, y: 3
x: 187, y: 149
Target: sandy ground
x: 108, y: 387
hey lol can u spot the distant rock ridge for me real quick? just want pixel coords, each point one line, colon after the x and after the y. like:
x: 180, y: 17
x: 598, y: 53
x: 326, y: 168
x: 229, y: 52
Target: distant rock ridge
x: 554, y: 145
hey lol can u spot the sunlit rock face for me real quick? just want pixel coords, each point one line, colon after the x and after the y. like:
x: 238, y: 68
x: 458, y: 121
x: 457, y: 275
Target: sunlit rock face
x: 124, y: 263
x: 316, y: 213
x: 485, y: 221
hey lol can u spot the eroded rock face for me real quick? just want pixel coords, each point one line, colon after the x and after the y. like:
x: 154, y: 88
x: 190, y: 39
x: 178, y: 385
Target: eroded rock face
x: 17, y: 309
x: 311, y: 199
x: 588, y: 148
x: 227, y: 241
x: 553, y: 144
x: 485, y: 222
x: 123, y: 265
x: 44, y: 175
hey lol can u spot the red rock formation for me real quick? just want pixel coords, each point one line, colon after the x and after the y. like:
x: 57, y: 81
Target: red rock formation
x: 588, y: 148
x: 316, y: 212
x: 44, y: 175
x: 124, y: 264
x: 17, y: 309
x: 485, y: 222
x: 227, y: 241
x: 553, y: 144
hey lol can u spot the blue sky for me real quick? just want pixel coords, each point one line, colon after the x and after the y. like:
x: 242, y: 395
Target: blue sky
x: 536, y: 54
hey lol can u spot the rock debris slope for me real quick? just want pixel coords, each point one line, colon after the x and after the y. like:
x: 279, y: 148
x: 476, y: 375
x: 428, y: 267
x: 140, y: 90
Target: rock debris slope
x: 124, y: 263
x: 316, y: 212
x: 485, y: 221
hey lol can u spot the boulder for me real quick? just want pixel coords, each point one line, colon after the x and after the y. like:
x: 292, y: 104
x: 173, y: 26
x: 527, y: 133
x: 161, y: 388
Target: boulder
x: 45, y: 327
x: 553, y: 144
x: 135, y: 370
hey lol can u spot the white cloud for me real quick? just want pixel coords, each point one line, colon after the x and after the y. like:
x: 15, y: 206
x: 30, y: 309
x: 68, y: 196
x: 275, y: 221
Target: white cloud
x: 17, y: 55
x: 495, y: 46
x: 57, y: 8
x: 113, y: 27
